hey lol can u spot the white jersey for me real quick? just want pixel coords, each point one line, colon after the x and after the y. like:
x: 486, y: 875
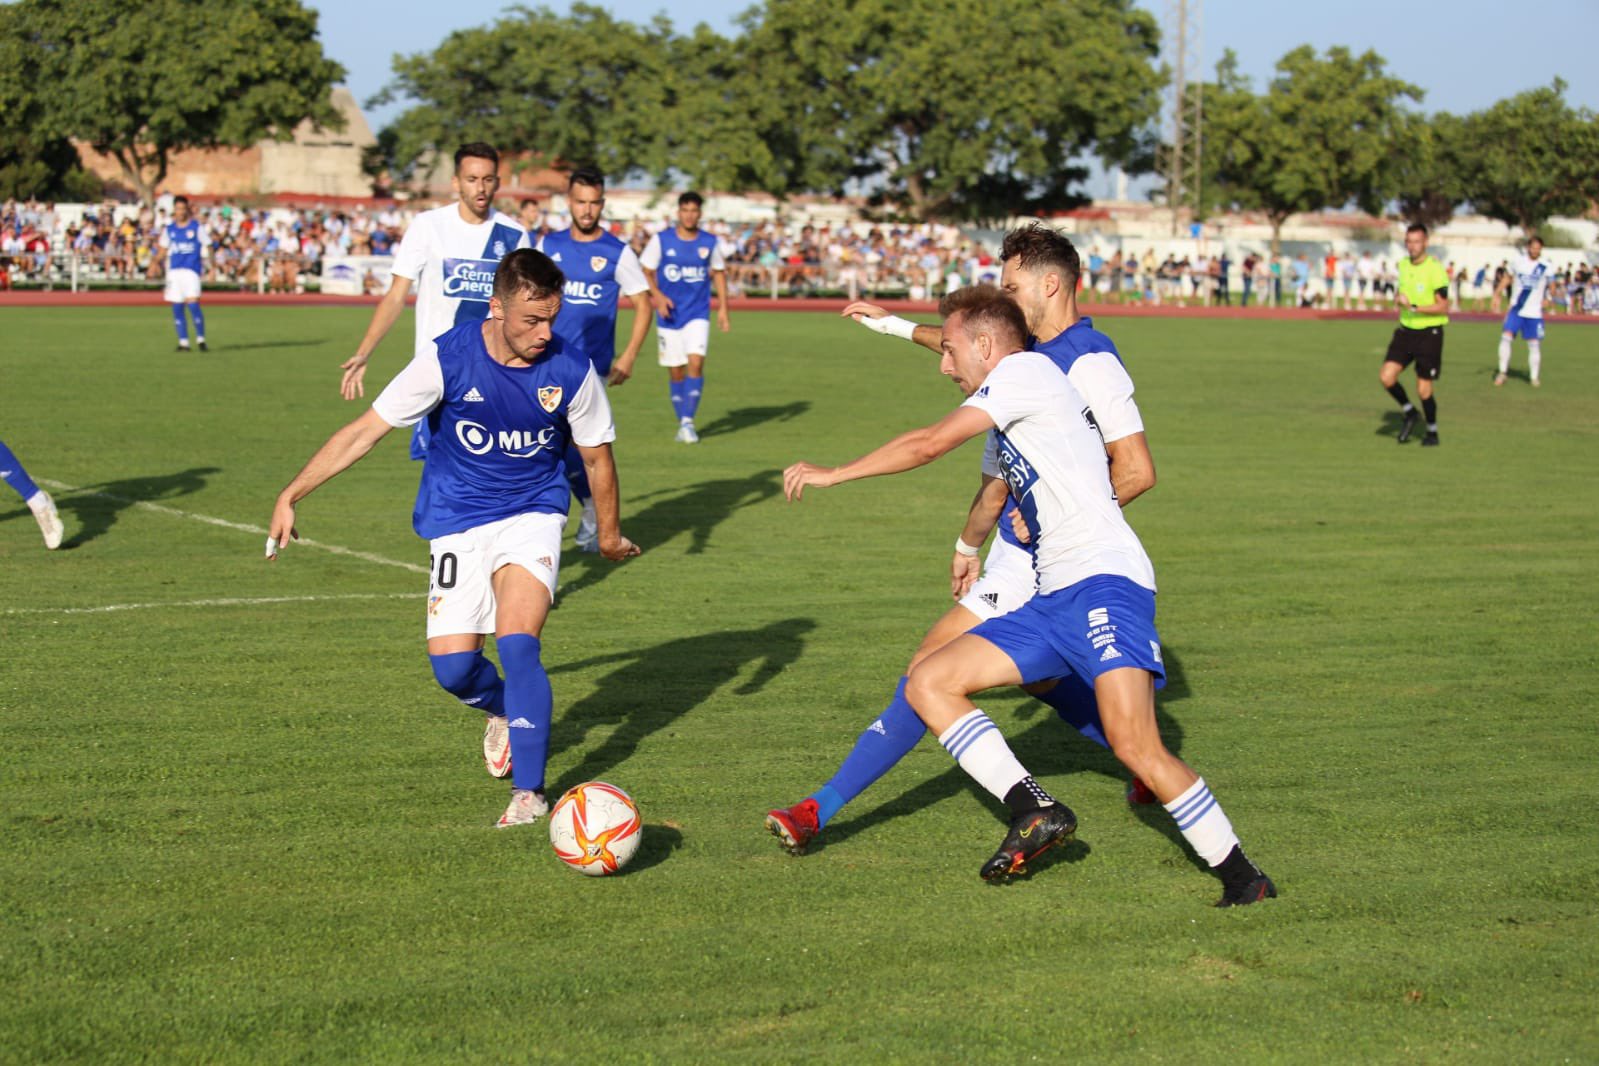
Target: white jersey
x: 1049, y: 450
x: 450, y: 263
x: 1532, y: 279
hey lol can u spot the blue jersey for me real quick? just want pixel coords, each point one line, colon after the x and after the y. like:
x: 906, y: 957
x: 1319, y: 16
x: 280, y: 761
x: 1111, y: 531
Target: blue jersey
x: 183, y: 244
x: 598, y: 273
x: 683, y: 274
x: 497, y: 432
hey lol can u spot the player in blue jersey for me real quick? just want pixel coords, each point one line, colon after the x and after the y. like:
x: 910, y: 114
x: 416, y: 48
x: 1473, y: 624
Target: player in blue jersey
x: 1093, y: 616
x: 681, y: 264
x: 38, y: 500
x: 449, y: 255
x: 503, y: 397
x: 1039, y: 270
x: 1531, y: 275
x: 600, y: 268
x: 186, y: 244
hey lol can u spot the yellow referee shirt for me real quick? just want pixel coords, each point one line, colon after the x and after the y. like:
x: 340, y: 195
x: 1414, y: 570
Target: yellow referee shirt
x: 1420, y: 284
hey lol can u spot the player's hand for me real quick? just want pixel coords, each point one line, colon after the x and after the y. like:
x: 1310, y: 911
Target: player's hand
x: 860, y: 310
x: 963, y: 573
x: 354, y: 374
x: 620, y: 372
x: 1018, y: 525
x: 722, y: 322
x: 281, y: 530
x: 1400, y: 301
x: 662, y: 303
x: 796, y: 477
x: 618, y: 548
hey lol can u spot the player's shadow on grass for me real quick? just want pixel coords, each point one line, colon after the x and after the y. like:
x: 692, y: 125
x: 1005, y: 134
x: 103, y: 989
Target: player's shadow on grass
x: 91, y: 510
x: 250, y: 346
x: 1391, y: 421
x: 1048, y: 748
x: 741, y: 418
x: 652, y: 687
x: 696, y: 510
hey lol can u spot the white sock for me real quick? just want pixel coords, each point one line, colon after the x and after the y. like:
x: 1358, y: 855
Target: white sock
x: 980, y: 748
x: 1534, y: 358
x: 1203, y: 823
x: 1504, y: 355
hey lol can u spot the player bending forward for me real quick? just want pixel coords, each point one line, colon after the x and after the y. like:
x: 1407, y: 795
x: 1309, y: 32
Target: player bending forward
x: 1093, y: 616
x: 501, y: 397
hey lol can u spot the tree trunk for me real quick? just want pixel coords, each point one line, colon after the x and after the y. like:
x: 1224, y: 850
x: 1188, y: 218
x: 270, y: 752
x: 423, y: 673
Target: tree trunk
x: 1276, y: 221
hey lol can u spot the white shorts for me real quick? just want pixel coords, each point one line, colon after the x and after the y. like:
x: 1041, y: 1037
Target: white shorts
x: 183, y: 287
x: 462, y: 566
x: 676, y: 345
x: 1008, y: 581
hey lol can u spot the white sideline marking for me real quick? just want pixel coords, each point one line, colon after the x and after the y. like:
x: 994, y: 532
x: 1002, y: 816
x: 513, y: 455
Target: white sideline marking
x: 225, y: 601
x: 225, y: 524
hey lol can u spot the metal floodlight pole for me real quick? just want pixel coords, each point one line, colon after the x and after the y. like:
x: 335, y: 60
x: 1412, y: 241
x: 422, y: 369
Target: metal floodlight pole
x: 1185, y: 142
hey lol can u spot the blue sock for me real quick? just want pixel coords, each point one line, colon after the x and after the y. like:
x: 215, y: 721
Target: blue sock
x: 679, y: 399
x: 528, y: 704
x: 885, y: 742
x: 470, y: 678
x: 181, y: 322
x: 692, y: 388
x: 199, y: 321
x: 1073, y: 699
x: 576, y: 476
x: 12, y: 473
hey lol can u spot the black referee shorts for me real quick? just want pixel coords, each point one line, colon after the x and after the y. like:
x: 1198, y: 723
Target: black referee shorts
x: 1424, y: 347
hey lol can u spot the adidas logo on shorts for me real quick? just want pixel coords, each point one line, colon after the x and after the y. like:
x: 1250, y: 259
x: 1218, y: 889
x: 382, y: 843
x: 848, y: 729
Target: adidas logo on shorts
x: 1110, y: 653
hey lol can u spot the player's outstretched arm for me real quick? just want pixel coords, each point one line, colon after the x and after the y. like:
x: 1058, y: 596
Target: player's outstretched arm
x: 622, y: 368
x: 965, y: 567
x: 342, y: 450
x: 878, y: 320
x: 384, y: 316
x: 600, y: 467
x: 905, y: 452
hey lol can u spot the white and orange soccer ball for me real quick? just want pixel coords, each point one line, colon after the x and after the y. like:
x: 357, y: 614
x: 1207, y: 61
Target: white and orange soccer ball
x: 595, y: 828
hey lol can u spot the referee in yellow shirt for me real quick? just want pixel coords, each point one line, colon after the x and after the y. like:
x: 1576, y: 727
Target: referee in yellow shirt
x: 1423, y: 300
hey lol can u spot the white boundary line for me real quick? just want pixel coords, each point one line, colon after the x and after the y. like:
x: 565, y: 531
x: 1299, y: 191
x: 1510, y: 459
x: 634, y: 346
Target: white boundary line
x: 225, y: 524
x: 229, y: 601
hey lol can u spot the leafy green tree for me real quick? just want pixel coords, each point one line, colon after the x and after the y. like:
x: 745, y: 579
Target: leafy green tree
x: 1426, y: 167
x: 1319, y: 137
x: 1531, y: 157
x: 142, y: 79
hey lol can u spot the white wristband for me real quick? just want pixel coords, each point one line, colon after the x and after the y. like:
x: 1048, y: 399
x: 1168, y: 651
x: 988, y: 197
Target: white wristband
x: 962, y: 548
x: 891, y: 326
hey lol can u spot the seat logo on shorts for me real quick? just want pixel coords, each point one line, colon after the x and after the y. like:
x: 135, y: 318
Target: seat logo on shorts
x: 1099, y: 616
x: 550, y: 397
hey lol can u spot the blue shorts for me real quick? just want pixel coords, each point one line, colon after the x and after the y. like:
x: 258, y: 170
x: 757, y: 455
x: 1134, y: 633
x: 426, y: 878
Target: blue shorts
x: 1530, y: 329
x: 1097, y: 625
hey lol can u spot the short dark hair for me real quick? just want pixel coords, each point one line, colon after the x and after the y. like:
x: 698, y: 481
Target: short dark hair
x: 176, y: 200
x: 477, y: 150
x: 985, y: 308
x: 529, y: 271
x: 1416, y: 227
x: 1537, y: 238
x: 1036, y: 246
x: 691, y: 197
x: 590, y: 176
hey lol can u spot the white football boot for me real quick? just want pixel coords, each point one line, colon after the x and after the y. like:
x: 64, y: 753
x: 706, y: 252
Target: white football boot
x: 497, y: 745
x: 527, y: 807
x: 685, y: 432
x: 44, y: 512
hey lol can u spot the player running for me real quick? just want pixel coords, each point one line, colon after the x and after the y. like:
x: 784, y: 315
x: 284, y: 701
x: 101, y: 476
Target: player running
x: 1039, y: 270
x: 186, y: 244
x: 599, y: 267
x: 503, y: 397
x: 1093, y: 616
x: 449, y: 254
x: 681, y: 264
x: 38, y: 500
x: 1531, y: 276
x: 1423, y: 301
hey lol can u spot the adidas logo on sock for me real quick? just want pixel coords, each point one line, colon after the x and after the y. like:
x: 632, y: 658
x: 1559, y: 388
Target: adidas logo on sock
x: 1110, y: 653
x: 472, y: 396
x: 522, y: 723
x: 877, y: 727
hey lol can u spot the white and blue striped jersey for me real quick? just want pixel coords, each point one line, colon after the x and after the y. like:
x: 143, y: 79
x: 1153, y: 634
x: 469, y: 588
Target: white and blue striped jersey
x: 1532, y: 281
x: 451, y: 263
x: 683, y: 274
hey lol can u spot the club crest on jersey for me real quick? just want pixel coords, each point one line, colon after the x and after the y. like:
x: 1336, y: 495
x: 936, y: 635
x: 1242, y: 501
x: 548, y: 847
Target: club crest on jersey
x: 705, y: 253
x: 597, y: 263
x: 499, y: 249
x: 550, y: 397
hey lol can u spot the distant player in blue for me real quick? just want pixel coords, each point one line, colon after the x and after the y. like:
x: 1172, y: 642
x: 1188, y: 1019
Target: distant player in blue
x: 502, y: 398
x: 1531, y: 275
x: 38, y: 500
x: 600, y: 268
x: 680, y: 264
x: 186, y: 244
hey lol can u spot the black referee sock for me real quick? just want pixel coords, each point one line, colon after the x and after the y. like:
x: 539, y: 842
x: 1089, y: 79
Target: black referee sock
x: 1429, y: 408
x: 1397, y: 391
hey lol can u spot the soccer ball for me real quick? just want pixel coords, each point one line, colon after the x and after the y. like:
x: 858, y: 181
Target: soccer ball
x: 595, y: 828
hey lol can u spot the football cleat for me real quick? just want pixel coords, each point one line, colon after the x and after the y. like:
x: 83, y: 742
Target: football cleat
x: 1029, y: 836
x: 1430, y: 440
x: 795, y: 827
x: 1499, y: 379
x: 497, y: 745
x: 183, y: 347
x: 44, y: 512
x: 203, y: 348
x: 1536, y: 383
x: 1249, y: 892
x: 1140, y: 794
x: 686, y: 434
x: 1408, y: 426
x: 527, y: 806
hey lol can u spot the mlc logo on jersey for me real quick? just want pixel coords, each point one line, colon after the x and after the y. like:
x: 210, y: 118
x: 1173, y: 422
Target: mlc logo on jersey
x: 550, y: 397
x: 516, y: 443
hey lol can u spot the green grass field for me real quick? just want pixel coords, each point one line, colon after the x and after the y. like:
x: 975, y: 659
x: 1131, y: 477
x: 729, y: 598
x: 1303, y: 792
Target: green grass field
x: 241, y: 823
